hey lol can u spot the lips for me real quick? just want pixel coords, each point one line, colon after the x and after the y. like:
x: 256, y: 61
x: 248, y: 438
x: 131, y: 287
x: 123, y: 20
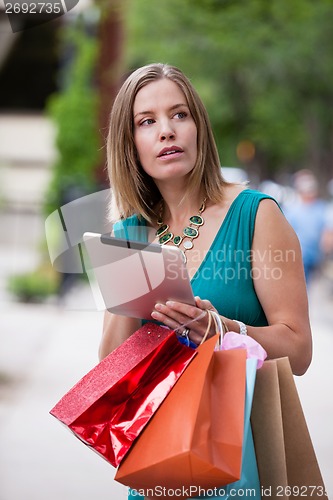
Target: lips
x: 169, y: 151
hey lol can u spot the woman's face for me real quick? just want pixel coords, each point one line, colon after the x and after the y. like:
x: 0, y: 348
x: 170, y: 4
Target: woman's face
x: 165, y: 134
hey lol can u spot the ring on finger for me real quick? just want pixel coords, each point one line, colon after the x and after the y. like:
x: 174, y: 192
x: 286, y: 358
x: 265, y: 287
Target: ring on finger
x: 185, y: 333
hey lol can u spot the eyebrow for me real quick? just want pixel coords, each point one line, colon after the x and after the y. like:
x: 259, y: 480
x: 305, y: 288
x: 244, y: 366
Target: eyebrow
x: 172, y: 108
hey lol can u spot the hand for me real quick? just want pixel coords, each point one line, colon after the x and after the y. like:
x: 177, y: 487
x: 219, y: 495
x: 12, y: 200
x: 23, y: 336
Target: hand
x: 176, y: 315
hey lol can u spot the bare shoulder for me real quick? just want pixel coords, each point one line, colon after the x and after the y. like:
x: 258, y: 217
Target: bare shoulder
x: 217, y: 211
x: 269, y: 209
x: 270, y: 212
x: 231, y: 191
x: 272, y: 226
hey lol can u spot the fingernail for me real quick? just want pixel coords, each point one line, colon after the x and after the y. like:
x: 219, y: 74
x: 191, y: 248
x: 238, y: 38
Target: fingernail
x: 170, y: 303
x: 154, y: 314
x: 158, y: 306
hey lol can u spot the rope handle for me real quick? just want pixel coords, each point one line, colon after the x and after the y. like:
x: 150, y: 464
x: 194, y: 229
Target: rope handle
x: 220, y: 325
x: 208, y: 326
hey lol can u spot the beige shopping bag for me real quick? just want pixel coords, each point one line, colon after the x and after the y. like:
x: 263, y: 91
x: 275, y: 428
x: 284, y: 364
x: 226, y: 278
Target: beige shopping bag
x: 287, y: 462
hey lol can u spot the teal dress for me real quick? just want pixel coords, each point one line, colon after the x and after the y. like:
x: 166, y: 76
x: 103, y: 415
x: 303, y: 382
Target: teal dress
x: 225, y: 277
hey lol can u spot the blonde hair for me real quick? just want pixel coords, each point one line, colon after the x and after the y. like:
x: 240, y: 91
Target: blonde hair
x: 134, y: 192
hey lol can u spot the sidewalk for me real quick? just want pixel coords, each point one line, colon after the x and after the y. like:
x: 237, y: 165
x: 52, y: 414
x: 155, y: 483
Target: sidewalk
x: 45, y: 349
x: 315, y: 388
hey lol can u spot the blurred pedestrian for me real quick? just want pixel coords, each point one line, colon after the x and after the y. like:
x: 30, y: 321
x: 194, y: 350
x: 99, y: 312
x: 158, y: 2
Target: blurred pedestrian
x: 308, y: 216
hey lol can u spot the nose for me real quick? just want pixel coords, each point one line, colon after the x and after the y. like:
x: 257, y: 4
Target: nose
x: 167, y: 132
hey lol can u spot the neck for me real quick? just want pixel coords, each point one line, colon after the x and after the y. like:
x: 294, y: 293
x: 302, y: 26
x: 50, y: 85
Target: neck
x: 175, y: 206
x: 177, y: 209
x: 178, y: 213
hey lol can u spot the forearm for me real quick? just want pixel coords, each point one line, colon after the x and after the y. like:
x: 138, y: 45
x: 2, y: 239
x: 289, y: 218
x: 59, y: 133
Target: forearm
x: 280, y: 340
x: 116, y: 329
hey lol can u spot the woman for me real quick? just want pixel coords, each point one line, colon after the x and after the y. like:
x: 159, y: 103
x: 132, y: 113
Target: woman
x: 243, y: 258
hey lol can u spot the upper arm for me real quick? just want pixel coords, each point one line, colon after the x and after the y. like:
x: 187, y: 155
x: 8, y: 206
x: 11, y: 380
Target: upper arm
x: 278, y: 271
x: 116, y: 329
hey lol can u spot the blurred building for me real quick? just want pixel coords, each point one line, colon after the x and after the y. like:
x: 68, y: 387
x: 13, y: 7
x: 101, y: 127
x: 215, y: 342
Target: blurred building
x: 29, y: 73
x: 34, y: 64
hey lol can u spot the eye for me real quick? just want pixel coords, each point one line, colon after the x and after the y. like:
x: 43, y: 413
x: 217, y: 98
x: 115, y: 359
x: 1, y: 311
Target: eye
x: 181, y: 114
x: 147, y: 121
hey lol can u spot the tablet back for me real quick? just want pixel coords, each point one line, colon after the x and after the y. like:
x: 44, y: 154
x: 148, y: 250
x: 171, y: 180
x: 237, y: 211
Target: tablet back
x: 133, y: 276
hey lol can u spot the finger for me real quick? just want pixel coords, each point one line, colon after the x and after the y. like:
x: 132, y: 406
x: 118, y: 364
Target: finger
x: 194, y: 318
x: 176, y: 315
x: 204, y: 304
x: 166, y: 320
x: 197, y: 330
x: 161, y: 318
x: 180, y: 316
x: 191, y: 312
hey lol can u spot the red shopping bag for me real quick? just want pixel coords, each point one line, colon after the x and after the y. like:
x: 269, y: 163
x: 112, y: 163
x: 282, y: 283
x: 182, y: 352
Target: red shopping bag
x: 110, y: 406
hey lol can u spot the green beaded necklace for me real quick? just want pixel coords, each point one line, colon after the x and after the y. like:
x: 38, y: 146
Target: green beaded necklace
x: 190, y: 232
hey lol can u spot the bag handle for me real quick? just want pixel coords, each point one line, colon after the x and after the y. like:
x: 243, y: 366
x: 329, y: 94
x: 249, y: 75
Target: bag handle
x: 220, y: 326
x: 209, y: 324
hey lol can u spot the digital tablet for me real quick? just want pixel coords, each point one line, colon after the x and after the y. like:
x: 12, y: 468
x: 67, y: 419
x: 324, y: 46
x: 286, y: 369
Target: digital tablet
x: 133, y: 276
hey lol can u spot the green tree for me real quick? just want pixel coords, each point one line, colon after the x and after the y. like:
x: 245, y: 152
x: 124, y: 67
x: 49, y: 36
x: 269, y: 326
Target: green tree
x: 74, y: 112
x: 262, y: 68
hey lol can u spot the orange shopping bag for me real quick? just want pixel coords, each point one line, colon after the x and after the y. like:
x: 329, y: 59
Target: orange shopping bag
x: 195, y: 438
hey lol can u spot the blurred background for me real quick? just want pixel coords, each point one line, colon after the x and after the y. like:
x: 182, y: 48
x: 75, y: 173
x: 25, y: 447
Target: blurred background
x: 264, y: 71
